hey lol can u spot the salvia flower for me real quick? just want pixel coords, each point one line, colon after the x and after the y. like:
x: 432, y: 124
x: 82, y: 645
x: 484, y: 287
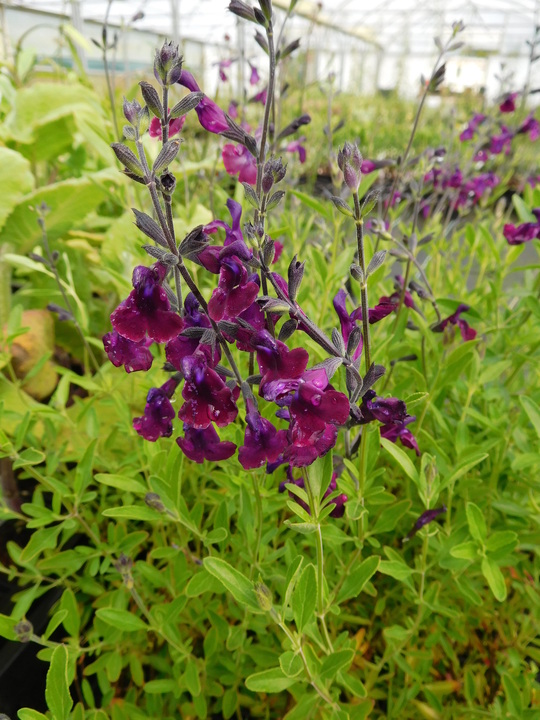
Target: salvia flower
x: 467, y: 332
x: 235, y: 291
x: 519, y: 234
x: 211, y: 116
x: 347, y: 321
x: 262, y: 442
x: 158, y: 413
x: 530, y: 126
x: 472, y: 127
x: 501, y: 143
x: 133, y: 356
x: 175, y: 126
x: 425, y: 518
x: 147, y: 310
x: 239, y: 161
x: 393, y: 414
x: 508, y: 105
x: 181, y: 346
x: 201, y: 445
x: 297, y: 146
x: 208, y: 398
x: 395, y: 431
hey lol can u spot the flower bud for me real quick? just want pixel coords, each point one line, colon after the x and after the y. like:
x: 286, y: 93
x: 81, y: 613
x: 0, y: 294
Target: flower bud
x: 124, y: 565
x: 24, y: 631
x: 350, y: 164
x: 264, y: 596
x: 168, y: 64
x: 131, y: 111
x: 243, y: 10
x: 154, y: 501
x: 273, y: 172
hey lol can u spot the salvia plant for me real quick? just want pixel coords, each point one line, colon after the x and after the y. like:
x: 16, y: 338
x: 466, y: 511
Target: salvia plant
x: 322, y: 506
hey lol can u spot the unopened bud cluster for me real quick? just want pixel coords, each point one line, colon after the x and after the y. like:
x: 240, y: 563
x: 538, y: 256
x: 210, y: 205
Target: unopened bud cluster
x: 350, y: 163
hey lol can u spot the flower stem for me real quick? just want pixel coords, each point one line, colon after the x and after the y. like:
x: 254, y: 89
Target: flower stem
x: 259, y: 521
x: 363, y: 285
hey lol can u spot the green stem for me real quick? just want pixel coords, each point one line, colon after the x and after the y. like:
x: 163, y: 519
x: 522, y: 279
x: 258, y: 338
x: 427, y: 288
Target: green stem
x: 363, y: 284
x: 259, y: 521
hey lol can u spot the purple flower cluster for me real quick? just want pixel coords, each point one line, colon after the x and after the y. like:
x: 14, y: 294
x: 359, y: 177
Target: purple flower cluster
x: 304, y: 398
x: 469, y: 191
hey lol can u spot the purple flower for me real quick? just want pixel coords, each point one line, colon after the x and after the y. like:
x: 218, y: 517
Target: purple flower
x: 210, y: 115
x: 472, y: 126
x: 261, y: 97
x: 223, y: 65
x: 509, y: 103
x: 158, y: 413
x: 181, y: 346
x: 208, y: 398
x: 393, y: 431
x: 147, y: 309
x: 133, y: 356
x: 262, y: 442
x: 502, y: 142
x: 200, y: 445
x: 467, y: 332
x: 313, y: 408
x: 517, y: 235
x: 234, y: 293
x: 175, y: 126
x: 347, y: 322
x: 304, y: 448
x: 531, y: 126
x: 368, y: 166
x: 239, y: 161
x: 385, y: 410
x: 233, y: 109
x: 298, y: 147
x: 254, y: 77
x: 275, y: 360
x: 393, y: 414
x: 425, y: 518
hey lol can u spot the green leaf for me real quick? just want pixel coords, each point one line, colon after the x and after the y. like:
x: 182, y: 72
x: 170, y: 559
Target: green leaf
x: 513, y: 696
x: 324, y: 209
x: 72, y: 620
x: 29, y: 714
x: 465, y: 551
x: 191, y: 678
x: 15, y: 182
x: 336, y: 662
x: 320, y: 475
x: 57, y: 694
x: 389, y: 517
x: 502, y: 540
x: 477, y: 523
x: 202, y: 582
x: 463, y: 468
x: 29, y: 457
x: 42, y: 539
x: 237, y: 584
x: 135, y: 512
x: 397, y: 570
x: 128, y: 484
x: 269, y: 681
x: 291, y: 663
x: 83, y: 474
x: 492, y: 572
x: 215, y: 536
x: 6, y: 627
x: 121, y: 619
x: 304, y: 598
x: 532, y: 410
x: 402, y: 459
x: 70, y: 202
x: 357, y: 579
x: 290, y: 581
x: 164, y: 686
x: 523, y: 212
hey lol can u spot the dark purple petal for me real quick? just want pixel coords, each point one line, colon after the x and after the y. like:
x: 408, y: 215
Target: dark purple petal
x: 262, y: 442
x: 133, y: 356
x: 207, y: 397
x: 200, y: 445
x: 158, y: 413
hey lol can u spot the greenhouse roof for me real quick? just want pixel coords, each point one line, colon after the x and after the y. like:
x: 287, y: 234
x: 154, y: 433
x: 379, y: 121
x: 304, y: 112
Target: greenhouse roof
x: 395, y: 25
